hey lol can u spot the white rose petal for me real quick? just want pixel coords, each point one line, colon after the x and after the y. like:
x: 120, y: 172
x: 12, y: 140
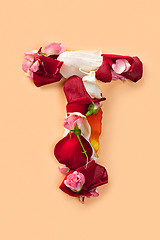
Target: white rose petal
x: 75, y: 62
x: 91, y: 85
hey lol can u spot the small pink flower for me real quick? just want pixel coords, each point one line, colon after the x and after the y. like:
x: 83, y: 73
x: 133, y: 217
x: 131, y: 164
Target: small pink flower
x: 63, y: 169
x: 75, y: 181
x: 71, y: 121
x: 121, y: 66
x: 54, y: 49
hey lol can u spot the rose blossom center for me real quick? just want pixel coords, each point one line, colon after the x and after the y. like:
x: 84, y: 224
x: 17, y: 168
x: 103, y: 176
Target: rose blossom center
x: 75, y: 181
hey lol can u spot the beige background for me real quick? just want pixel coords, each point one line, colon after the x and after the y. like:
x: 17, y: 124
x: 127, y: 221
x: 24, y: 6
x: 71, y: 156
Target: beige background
x: 31, y: 205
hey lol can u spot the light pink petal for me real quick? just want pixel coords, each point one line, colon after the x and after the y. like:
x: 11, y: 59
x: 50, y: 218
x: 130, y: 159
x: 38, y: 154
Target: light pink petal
x: 54, y: 49
x: 35, y: 66
x: 26, y: 65
x: 31, y: 53
x: 63, y: 169
x: 30, y: 74
x: 120, y: 66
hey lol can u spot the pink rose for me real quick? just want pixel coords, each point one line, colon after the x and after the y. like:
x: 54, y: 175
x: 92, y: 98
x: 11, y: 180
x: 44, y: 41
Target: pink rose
x: 75, y: 181
x: 71, y: 121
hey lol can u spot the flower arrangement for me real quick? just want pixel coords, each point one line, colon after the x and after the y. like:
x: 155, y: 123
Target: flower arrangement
x: 77, y: 150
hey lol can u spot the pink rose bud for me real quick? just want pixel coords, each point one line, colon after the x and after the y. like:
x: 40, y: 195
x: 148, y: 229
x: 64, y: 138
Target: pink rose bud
x: 121, y: 66
x: 71, y: 121
x: 75, y: 181
x: 94, y: 192
x: 54, y: 49
x: 63, y: 169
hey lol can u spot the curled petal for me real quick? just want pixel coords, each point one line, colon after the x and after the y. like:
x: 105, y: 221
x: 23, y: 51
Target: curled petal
x: 91, y: 85
x: 95, y: 123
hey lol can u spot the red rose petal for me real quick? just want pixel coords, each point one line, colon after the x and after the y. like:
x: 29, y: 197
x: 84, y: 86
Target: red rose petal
x: 75, y: 89
x: 68, y: 151
x: 104, y: 73
x: 43, y: 80
x: 136, y: 71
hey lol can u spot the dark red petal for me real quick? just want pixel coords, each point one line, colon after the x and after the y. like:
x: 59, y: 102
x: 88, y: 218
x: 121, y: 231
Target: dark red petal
x: 50, y: 65
x: 75, y: 89
x: 136, y: 71
x: 111, y: 58
x: 104, y: 73
x: 81, y: 105
x: 68, y: 151
x: 78, y: 106
x: 95, y: 175
x: 43, y: 80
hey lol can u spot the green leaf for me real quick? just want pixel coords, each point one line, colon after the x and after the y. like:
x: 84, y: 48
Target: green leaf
x: 44, y: 54
x: 91, y: 109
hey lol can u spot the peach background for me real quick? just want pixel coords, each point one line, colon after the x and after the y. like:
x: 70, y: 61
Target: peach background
x: 31, y: 205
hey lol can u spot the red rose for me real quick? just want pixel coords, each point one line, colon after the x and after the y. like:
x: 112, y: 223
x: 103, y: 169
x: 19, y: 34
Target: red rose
x: 95, y: 175
x: 105, y: 72
x: 68, y: 151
